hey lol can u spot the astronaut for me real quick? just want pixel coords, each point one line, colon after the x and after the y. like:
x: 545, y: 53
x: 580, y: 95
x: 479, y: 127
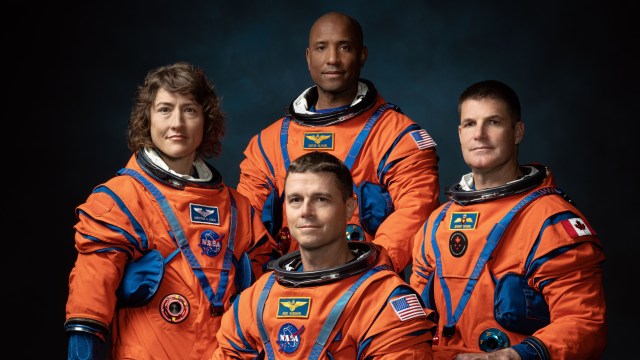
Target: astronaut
x: 164, y: 246
x: 332, y: 298
x: 392, y: 159
x: 510, y: 265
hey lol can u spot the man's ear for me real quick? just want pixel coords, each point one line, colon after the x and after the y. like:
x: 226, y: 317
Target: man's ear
x: 363, y: 56
x: 519, y: 131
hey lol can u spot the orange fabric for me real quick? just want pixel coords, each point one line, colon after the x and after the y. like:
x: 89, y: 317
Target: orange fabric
x: 412, y: 181
x: 574, y: 290
x: 368, y: 316
x: 105, y: 238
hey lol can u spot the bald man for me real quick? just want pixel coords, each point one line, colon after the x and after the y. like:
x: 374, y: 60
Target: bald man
x: 392, y: 158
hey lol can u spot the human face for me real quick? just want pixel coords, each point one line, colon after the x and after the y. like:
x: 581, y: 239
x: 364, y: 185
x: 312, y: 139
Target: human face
x: 177, y: 123
x: 316, y: 212
x: 488, y: 137
x: 335, y: 56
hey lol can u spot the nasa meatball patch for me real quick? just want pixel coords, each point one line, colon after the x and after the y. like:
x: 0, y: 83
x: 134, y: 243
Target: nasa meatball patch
x: 289, y: 338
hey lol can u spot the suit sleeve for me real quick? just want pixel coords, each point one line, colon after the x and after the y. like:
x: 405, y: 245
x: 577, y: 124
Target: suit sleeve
x: 570, y: 278
x: 413, y: 184
x: 422, y: 267
x: 400, y: 331
x: 234, y: 339
x: 254, y: 172
x: 103, y: 248
x: 264, y: 247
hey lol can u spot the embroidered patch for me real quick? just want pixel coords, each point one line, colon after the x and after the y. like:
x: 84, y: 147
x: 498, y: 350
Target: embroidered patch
x: 458, y: 244
x: 407, y: 307
x: 422, y: 139
x: 318, y: 140
x: 204, y: 214
x: 355, y: 233
x: 289, y: 338
x: 577, y: 227
x: 293, y: 307
x: 174, y: 308
x: 463, y: 221
x: 211, y: 243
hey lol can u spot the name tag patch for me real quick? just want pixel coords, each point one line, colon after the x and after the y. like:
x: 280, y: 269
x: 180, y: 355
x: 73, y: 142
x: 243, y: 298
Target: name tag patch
x: 318, y: 141
x: 204, y: 214
x: 463, y: 221
x: 293, y: 307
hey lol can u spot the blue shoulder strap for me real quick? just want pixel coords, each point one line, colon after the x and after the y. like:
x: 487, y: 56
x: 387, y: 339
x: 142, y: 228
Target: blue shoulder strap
x: 492, y: 242
x: 383, y: 167
x: 336, y: 312
x: 364, y: 133
x: 328, y: 325
x: 264, y: 335
x: 357, y: 144
x: 266, y: 159
x: 215, y: 300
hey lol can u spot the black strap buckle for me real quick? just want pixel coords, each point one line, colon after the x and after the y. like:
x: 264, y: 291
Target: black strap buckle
x: 216, y: 310
x: 448, y: 331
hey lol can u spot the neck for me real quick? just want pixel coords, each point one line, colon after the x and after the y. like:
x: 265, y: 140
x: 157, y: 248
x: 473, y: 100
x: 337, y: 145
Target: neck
x: 329, y: 100
x: 496, y: 177
x: 181, y: 165
x: 325, y: 258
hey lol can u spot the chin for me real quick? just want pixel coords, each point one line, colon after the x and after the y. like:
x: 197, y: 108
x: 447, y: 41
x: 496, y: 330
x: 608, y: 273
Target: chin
x: 480, y: 163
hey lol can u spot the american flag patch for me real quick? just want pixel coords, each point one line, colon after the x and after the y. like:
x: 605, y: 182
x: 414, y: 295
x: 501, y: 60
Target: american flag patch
x: 407, y: 307
x: 422, y: 139
x: 577, y: 227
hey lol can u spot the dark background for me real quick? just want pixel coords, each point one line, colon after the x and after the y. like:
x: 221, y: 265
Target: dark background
x: 570, y: 62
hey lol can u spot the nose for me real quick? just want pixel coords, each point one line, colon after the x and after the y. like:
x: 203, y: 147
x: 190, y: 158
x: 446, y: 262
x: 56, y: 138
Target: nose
x: 479, y: 132
x: 306, y: 209
x: 332, y: 55
x: 177, y: 119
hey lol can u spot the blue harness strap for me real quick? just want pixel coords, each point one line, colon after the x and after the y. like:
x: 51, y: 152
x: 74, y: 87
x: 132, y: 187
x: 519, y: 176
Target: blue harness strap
x: 336, y: 312
x: 328, y: 325
x: 215, y: 300
x: 268, y: 348
x: 357, y: 144
x: 492, y: 242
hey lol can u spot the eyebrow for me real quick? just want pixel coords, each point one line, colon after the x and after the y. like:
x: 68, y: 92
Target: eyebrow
x: 192, y: 103
x: 315, y: 194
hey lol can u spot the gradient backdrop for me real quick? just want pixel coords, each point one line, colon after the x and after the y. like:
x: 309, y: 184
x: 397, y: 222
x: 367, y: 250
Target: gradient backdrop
x: 571, y: 64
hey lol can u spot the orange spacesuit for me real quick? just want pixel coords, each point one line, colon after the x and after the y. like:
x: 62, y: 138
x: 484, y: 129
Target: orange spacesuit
x: 121, y: 220
x: 380, y: 147
x: 514, y: 266
x: 360, y: 310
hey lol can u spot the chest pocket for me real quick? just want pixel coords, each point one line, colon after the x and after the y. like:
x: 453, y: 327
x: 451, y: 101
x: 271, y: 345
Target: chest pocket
x: 518, y: 307
x: 374, y: 205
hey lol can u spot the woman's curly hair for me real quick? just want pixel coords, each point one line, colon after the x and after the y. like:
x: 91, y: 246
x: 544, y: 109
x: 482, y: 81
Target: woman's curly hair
x: 185, y: 79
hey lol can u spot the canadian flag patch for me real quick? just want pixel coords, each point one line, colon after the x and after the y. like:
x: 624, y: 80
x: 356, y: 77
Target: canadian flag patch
x: 577, y: 227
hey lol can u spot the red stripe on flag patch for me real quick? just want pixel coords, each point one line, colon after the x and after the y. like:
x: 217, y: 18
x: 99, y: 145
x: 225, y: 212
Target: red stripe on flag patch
x: 577, y: 227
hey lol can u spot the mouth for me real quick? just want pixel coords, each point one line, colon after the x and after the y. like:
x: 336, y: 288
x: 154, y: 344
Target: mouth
x: 333, y: 73
x: 308, y: 227
x: 177, y: 137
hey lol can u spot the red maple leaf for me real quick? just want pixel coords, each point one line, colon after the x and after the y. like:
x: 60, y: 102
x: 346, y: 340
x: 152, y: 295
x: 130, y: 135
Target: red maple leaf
x: 580, y: 225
